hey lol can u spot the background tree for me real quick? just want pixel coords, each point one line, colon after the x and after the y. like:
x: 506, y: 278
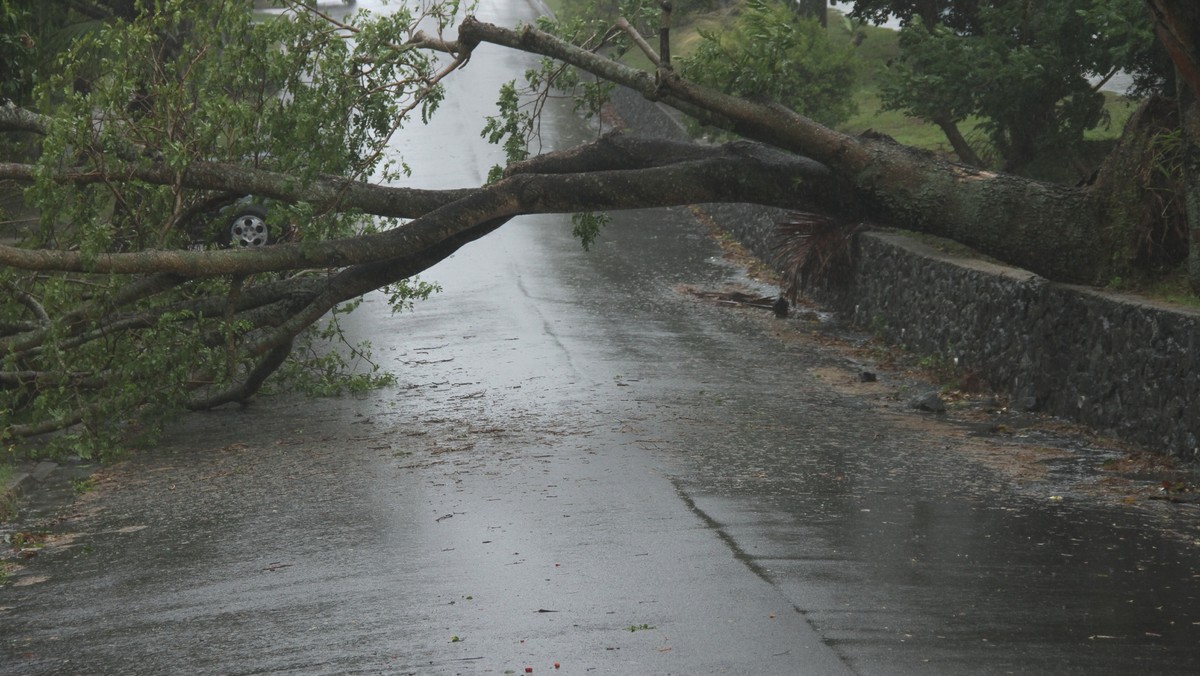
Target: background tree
x: 1029, y: 72
x: 770, y: 52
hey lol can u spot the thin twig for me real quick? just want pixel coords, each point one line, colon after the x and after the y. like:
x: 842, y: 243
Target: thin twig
x: 639, y: 41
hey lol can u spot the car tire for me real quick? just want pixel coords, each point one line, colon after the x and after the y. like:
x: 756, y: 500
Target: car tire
x: 247, y: 228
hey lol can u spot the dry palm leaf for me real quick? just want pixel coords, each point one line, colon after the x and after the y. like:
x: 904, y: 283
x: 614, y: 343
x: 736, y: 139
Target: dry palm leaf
x: 813, y: 249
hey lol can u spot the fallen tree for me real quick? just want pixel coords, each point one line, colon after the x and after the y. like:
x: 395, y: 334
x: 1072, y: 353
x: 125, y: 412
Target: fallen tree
x: 110, y: 318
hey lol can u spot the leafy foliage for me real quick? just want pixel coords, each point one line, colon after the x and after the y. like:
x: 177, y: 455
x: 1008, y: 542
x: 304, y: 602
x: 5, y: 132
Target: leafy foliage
x: 31, y: 33
x: 512, y: 128
x: 1021, y: 68
x: 319, y: 368
x: 404, y: 294
x: 172, y: 84
x: 587, y: 227
x: 771, y: 53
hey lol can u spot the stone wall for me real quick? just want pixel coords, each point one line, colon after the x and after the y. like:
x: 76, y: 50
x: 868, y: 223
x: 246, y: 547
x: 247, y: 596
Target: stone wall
x: 1117, y: 363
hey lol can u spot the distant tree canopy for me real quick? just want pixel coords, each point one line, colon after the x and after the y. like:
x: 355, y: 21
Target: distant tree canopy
x: 1030, y: 72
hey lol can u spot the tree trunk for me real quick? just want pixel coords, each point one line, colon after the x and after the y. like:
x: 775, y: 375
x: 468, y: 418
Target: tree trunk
x: 1189, y: 113
x: 966, y: 154
x: 1177, y: 23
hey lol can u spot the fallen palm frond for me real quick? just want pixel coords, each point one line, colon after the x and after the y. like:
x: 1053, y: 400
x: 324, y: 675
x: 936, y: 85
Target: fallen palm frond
x: 813, y: 249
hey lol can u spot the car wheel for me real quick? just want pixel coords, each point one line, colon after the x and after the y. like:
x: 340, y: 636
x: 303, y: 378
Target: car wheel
x: 248, y: 227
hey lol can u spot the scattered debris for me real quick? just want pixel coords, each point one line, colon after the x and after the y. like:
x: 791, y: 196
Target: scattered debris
x: 744, y: 299
x: 1177, y: 492
x: 930, y: 401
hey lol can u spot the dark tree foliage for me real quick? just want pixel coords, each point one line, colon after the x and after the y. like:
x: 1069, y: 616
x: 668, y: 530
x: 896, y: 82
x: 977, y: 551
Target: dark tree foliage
x: 1030, y: 71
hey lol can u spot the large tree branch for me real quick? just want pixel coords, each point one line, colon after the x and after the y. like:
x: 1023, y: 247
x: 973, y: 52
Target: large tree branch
x: 753, y: 120
x: 348, y: 284
x: 323, y: 192
x: 287, y: 306
x: 731, y: 173
x: 1014, y: 219
x: 246, y: 389
x: 14, y: 118
x: 102, y: 316
x: 43, y: 426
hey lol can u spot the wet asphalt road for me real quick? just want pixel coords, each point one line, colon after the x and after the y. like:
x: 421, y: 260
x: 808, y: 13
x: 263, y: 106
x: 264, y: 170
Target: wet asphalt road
x: 584, y: 465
